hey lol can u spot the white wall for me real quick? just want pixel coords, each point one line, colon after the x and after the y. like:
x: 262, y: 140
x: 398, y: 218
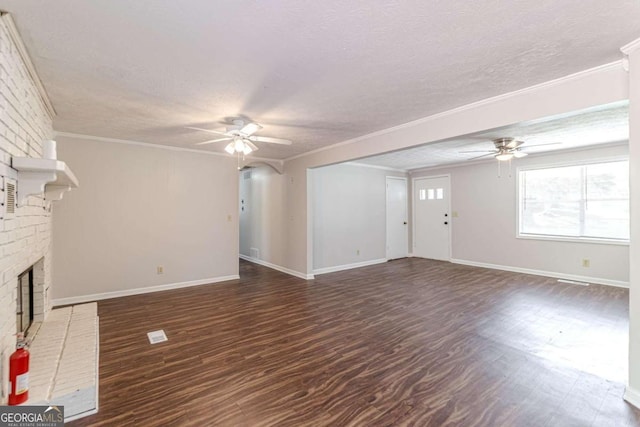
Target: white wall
x: 349, y: 215
x: 140, y: 207
x: 485, y: 229
x: 25, y: 238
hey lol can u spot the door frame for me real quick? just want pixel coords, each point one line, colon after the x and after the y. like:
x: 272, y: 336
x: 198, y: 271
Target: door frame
x: 386, y: 213
x: 413, y: 211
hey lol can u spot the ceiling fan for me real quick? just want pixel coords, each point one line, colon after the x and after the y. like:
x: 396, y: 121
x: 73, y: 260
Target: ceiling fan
x: 241, y: 136
x: 506, y: 149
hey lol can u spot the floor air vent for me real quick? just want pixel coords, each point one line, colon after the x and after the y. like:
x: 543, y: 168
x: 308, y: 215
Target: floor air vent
x: 573, y: 282
x: 157, y: 336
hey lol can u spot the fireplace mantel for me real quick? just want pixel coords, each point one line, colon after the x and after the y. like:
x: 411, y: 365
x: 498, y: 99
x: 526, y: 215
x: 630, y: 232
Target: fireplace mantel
x: 37, y: 176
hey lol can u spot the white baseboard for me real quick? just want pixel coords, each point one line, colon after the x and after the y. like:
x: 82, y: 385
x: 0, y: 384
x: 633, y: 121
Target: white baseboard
x: 137, y: 291
x: 348, y: 266
x: 574, y: 277
x: 632, y: 396
x: 277, y: 267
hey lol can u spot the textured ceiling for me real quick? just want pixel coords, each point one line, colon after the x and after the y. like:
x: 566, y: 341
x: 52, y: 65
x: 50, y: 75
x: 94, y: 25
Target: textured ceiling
x: 600, y: 125
x: 317, y: 73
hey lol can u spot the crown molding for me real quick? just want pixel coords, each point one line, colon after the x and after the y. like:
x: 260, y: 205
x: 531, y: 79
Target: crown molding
x: 548, y: 84
x: 158, y: 146
x: 26, y: 59
x: 630, y: 47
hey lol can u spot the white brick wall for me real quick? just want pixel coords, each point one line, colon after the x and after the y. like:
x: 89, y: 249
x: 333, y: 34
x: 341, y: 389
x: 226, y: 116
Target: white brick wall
x: 25, y: 238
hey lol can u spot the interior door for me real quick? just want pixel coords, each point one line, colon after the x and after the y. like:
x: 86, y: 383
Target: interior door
x: 244, y: 214
x: 397, y: 232
x: 431, y: 218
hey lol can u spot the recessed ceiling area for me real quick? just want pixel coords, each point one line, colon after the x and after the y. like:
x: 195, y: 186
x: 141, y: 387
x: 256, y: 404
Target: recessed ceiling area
x: 599, y: 125
x: 316, y: 73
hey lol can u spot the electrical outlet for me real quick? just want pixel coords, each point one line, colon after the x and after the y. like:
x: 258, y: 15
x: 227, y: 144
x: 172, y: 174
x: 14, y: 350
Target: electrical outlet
x: 160, y: 269
x: 586, y: 263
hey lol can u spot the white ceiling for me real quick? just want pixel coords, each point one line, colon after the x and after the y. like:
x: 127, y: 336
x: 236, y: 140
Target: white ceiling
x: 317, y: 73
x: 600, y: 125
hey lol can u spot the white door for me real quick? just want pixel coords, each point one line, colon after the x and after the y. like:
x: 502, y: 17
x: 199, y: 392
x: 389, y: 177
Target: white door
x: 397, y: 232
x: 431, y: 218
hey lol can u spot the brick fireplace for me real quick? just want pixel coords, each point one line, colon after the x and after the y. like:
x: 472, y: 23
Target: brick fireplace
x: 25, y: 234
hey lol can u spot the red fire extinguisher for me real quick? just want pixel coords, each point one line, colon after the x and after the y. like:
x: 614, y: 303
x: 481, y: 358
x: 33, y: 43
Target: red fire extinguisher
x: 19, y: 373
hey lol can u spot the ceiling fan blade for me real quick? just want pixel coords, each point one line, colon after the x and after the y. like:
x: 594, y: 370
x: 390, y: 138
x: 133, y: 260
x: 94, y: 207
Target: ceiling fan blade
x: 542, y: 145
x: 478, y: 151
x: 271, y: 140
x: 250, y: 128
x: 514, y: 144
x: 251, y: 144
x: 484, y: 155
x: 207, y: 130
x: 211, y: 141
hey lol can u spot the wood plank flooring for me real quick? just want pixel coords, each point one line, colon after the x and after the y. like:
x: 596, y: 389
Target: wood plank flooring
x: 409, y: 342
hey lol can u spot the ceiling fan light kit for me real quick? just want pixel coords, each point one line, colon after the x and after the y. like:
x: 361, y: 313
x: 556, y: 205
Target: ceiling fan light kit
x: 504, y: 156
x: 230, y: 148
x: 240, y: 146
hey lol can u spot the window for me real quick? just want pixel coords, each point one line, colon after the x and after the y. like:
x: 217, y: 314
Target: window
x: 588, y: 201
x: 431, y: 194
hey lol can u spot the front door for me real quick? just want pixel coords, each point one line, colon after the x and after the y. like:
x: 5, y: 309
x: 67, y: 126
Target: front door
x: 432, y: 218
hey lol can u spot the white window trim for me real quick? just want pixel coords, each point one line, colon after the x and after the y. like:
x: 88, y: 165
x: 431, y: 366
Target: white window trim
x: 548, y: 237
x: 599, y: 241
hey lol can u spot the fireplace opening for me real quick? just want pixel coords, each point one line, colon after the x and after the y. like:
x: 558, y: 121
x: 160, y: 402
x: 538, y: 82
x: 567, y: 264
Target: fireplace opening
x: 24, y: 313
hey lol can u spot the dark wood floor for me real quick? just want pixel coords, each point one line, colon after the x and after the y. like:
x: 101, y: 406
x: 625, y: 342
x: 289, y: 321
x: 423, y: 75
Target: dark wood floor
x: 409, y: 342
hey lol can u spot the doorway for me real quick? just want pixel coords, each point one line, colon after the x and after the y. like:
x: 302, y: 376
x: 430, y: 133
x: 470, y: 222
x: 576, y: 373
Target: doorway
x: 397, y: 233
x: 432, y: 220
